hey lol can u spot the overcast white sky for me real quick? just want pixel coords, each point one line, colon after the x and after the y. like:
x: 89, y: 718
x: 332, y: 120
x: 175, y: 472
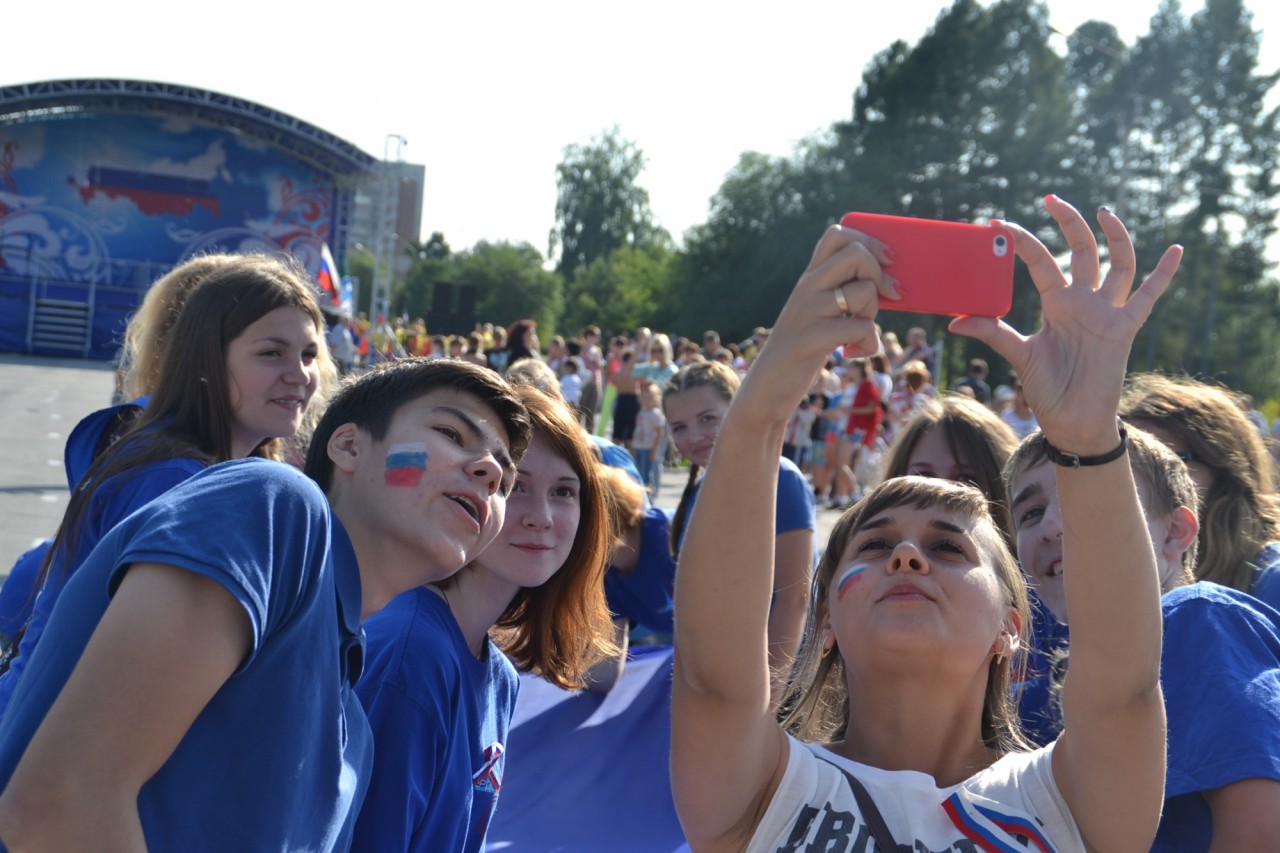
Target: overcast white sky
x: 489, y: 94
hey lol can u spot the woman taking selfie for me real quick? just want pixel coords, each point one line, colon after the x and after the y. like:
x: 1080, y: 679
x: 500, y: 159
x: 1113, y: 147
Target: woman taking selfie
x: 919, y: 609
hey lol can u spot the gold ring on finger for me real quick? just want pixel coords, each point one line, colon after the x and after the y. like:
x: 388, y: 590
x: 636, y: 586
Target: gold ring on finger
x: 842, y: 302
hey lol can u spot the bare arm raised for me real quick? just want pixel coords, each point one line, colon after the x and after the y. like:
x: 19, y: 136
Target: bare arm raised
x: 1109, y: 763
x: 727, y: 749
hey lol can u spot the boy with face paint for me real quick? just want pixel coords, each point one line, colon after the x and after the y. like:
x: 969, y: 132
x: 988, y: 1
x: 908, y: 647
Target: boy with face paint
x: 254, y: 570
x: 1220, y: 662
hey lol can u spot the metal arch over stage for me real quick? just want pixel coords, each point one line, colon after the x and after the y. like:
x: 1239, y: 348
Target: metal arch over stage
x: 304, y: 141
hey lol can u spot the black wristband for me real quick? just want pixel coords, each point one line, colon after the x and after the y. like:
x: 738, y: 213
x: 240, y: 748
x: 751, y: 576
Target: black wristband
x: 1073, y: 460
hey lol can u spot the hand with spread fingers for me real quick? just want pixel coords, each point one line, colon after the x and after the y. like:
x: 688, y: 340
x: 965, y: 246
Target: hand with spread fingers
x: 1073, y: 368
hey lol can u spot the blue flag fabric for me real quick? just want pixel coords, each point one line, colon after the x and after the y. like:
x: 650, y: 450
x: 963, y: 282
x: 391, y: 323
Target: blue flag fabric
x: 588, y: 772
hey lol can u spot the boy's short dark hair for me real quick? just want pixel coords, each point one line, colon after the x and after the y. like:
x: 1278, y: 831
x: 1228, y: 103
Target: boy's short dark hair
x: 371, y: 400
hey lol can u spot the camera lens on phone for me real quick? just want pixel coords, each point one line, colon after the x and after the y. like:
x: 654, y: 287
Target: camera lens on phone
x: 1001, y: 245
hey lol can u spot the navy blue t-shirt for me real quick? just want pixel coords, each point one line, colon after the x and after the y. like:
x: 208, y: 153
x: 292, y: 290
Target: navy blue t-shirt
x: 1220, y: 672
x: 1267, y: 584
x: 279, y: 759
x: 644, y: 595
x: 795, y: 510
x: 440, y: 718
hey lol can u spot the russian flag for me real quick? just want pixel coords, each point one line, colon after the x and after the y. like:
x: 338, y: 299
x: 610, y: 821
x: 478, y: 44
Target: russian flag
x: 994, y: 831
x: 328, y: 278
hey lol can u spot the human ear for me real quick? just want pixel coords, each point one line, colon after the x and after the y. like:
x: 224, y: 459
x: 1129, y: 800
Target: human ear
x: 826, y: 633
x: 1010, y: 639
x: 346, y: 449
x: 1181, y: 528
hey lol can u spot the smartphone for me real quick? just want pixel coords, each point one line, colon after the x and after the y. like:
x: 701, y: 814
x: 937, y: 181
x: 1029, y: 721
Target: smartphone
x: 950, y: 268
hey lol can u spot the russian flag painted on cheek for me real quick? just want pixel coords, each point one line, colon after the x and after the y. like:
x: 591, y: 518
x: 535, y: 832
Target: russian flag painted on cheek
x: 406, y: 463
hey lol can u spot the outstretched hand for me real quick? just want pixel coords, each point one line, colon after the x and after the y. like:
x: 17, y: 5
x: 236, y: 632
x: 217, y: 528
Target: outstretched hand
x: 1073, y: 369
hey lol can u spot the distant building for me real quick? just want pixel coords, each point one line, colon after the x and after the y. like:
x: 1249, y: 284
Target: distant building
x: 363, y: 229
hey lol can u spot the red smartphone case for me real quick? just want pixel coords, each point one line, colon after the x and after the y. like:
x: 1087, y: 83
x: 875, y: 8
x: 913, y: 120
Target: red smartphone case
x: 950, y: 268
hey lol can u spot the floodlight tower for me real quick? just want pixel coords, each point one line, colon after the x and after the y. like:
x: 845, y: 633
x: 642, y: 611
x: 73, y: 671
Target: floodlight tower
x: 388, y: 211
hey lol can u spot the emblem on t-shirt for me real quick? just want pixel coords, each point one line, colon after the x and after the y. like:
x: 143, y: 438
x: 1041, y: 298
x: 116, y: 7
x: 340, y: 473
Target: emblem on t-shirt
x: 489, y: 777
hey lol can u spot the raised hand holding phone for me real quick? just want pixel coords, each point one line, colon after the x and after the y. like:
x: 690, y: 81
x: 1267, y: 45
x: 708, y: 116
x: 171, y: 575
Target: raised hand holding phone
x: 833, y: 304
x: 952, y: 268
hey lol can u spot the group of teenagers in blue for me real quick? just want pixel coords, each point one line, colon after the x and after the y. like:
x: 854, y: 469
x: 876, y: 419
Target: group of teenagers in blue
x: 225, y: 651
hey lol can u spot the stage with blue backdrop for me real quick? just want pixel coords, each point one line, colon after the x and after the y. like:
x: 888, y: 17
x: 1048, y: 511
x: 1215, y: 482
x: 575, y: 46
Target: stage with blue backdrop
x: 107, y: 184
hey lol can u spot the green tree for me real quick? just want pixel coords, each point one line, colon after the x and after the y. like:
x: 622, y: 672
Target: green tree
x: 737, y: 268
x: 1190, y: 157
x: 970, y: 123
x: 435, y: 247
x: 432, y: 262
x: 623, y: 291
x: 599, y: 206
x: 511, y: 284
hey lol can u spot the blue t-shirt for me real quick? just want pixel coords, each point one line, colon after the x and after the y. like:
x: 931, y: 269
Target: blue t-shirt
x: 644, y: 595
x: 1046, y: 658
x: 1267, y: 584
x: 440, y: 718
x: 616, y: 456
x: 1220, y: 672
x: 18, y: 594
x: 87, y: 438
x: 795, y: 510
x: 113, y: 501
x: 279, y: 759
x: 659, y: 373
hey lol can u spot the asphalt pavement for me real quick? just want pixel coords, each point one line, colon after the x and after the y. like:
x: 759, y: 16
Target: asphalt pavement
x: 42, y: 399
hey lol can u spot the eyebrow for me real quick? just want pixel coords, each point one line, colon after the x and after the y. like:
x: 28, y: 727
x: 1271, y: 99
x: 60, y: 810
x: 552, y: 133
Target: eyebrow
x: 1031, y: 490
x: 936, y: 523
x: 500, y: 453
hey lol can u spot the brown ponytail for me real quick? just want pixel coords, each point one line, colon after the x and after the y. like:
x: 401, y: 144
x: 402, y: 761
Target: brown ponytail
x: 682, y: 511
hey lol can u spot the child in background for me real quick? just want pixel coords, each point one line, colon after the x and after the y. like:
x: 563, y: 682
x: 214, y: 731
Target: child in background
x: 797, y: 440
x: 570, y: 382
x: 823, y: 440
x: 646, y: 441
x: 695, y: 402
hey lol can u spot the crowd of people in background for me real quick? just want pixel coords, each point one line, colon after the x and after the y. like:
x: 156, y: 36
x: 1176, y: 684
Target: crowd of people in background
x: 482, y: 505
